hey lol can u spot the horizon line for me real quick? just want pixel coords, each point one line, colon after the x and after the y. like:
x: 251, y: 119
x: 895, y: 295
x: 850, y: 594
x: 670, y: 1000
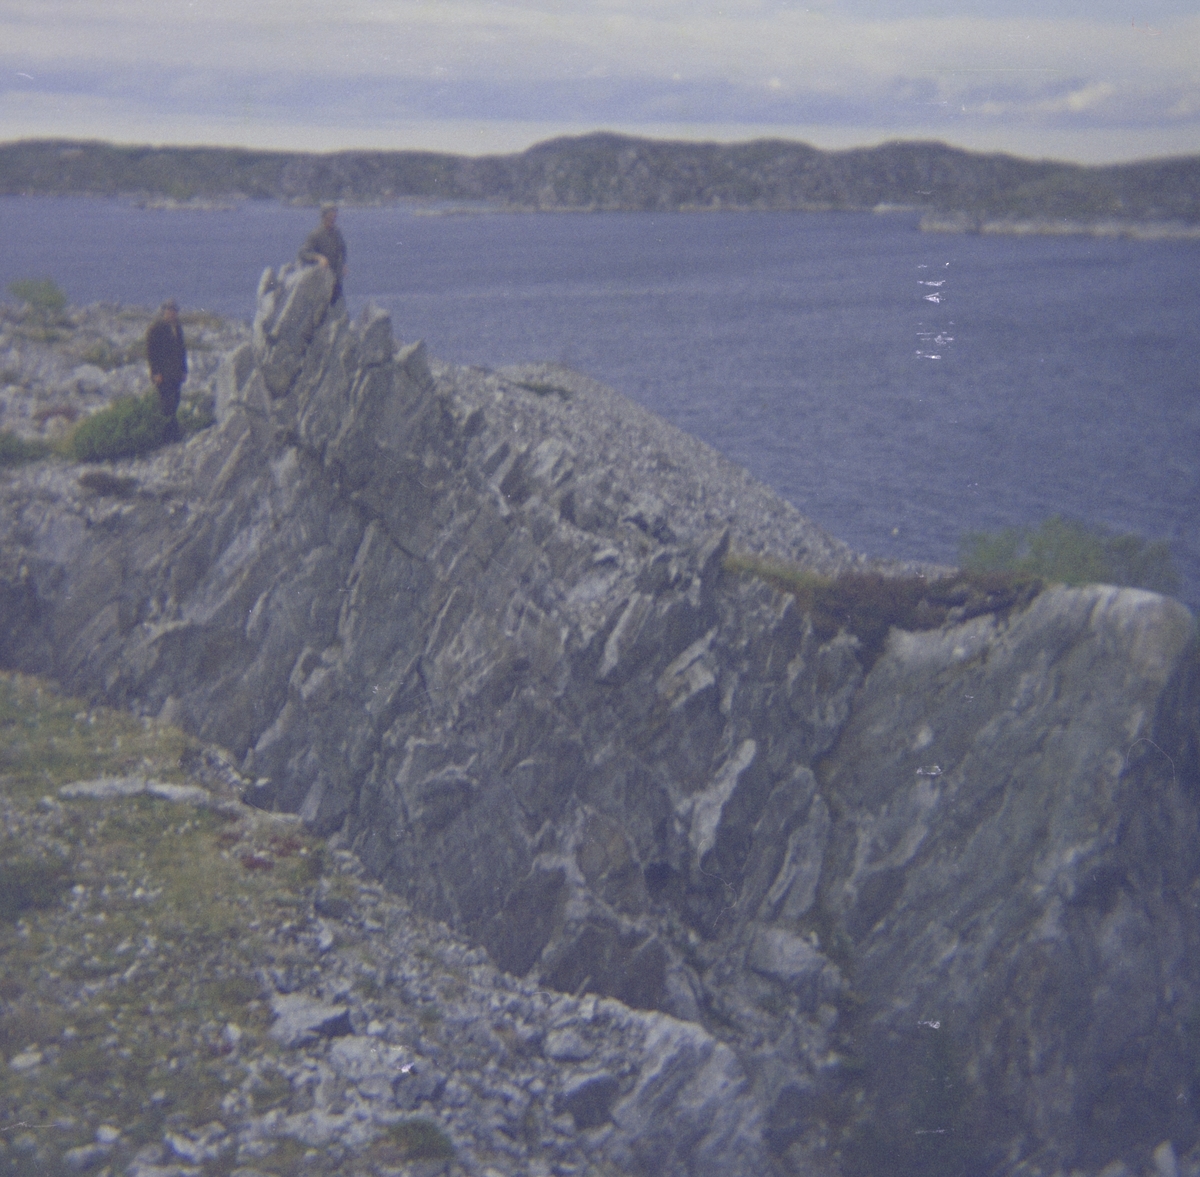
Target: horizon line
x: 895, y: 141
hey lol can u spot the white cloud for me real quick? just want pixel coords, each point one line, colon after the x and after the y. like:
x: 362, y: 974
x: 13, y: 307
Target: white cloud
x: 1087, y: 97
x: 367, y: 63
x: 735, y: 41
x: 83, y: 117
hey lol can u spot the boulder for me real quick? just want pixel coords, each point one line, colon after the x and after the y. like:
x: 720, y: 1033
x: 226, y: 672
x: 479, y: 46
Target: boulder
x: 301, y: 1020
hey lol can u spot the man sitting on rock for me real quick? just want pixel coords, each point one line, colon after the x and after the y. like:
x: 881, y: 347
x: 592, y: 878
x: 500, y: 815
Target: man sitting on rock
x: 167, y: 355
x: 326, y: 246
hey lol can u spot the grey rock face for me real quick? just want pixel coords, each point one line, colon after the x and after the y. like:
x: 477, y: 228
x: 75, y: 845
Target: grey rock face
x: 1014, y: 866
x: 930, y: 913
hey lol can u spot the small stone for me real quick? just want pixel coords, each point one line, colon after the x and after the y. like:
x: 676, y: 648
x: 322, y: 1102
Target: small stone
x: 589, y: 1100
x: 103, y: 788
x: 333, y: 907
x: 1165, y: 1164
x: 200, y: 1145
x: 87, y: 1156
x: 302, y: 1020
x: 188, y: 794
x: 566, y: 1045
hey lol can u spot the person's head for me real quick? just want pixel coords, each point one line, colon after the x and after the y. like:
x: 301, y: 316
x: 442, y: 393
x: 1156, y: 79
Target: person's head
x: 328, y: 215
x: 170, y: 310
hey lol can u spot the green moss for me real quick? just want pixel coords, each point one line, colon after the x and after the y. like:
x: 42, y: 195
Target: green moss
x: 160, y: 921
x: 1068, y: 551
x: 420, y: 1139
x: 288, y: 1157
x: 130, y: 426
x: 47, y: 740
x: 14, y: 450
x: 868, y: 605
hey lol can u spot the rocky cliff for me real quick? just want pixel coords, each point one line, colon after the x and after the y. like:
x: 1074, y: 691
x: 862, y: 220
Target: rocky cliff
x: 934, y: 892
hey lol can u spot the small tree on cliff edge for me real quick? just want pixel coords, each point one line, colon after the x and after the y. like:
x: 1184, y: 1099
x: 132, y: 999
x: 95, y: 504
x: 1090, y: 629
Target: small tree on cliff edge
x: 1071, y: 552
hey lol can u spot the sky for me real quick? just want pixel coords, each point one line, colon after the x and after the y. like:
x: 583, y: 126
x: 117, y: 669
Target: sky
x: 1093, y: 81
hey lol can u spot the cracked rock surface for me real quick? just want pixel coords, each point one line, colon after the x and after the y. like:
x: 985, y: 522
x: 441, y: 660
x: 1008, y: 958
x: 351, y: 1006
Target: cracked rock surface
x: 194, y: 986
x: 485, y: 630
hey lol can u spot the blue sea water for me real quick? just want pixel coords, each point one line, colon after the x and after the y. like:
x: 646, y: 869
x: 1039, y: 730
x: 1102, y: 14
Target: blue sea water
x: 900, y: 388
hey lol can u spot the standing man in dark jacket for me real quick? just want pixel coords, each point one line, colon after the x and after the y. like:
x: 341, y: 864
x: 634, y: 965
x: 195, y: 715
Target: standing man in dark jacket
x: 167, y: 354
x: 327, y: 247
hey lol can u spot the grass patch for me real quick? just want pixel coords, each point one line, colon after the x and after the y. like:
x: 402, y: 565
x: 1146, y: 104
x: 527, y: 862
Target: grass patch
x: 130, y: 932
x: 27, y: 884
x: 47, y: 740
x: 16, y: 450
x: 130, y: 426
x: 1067, y: 551
x: 288, y: 1158
x: 869, y: 605
x: 420, y: 1139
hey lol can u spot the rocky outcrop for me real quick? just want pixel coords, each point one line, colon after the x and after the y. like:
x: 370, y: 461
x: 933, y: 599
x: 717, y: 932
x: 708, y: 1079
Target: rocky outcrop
x: 927, y: 909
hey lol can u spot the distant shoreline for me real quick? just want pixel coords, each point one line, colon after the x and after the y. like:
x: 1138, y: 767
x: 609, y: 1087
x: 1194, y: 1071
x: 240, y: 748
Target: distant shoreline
x: 1052, y: 227
x: 952, y: 223
x: 955, y: 191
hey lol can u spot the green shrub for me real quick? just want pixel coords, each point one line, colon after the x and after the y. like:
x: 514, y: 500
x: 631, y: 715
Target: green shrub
x: 1070, y: 552
x: 130, y: 426
x: 14, y: 450
x: 39, y: 294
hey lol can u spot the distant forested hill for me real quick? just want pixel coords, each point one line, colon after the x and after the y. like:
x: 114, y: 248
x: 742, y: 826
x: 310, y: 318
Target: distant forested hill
x: 614, y: 172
